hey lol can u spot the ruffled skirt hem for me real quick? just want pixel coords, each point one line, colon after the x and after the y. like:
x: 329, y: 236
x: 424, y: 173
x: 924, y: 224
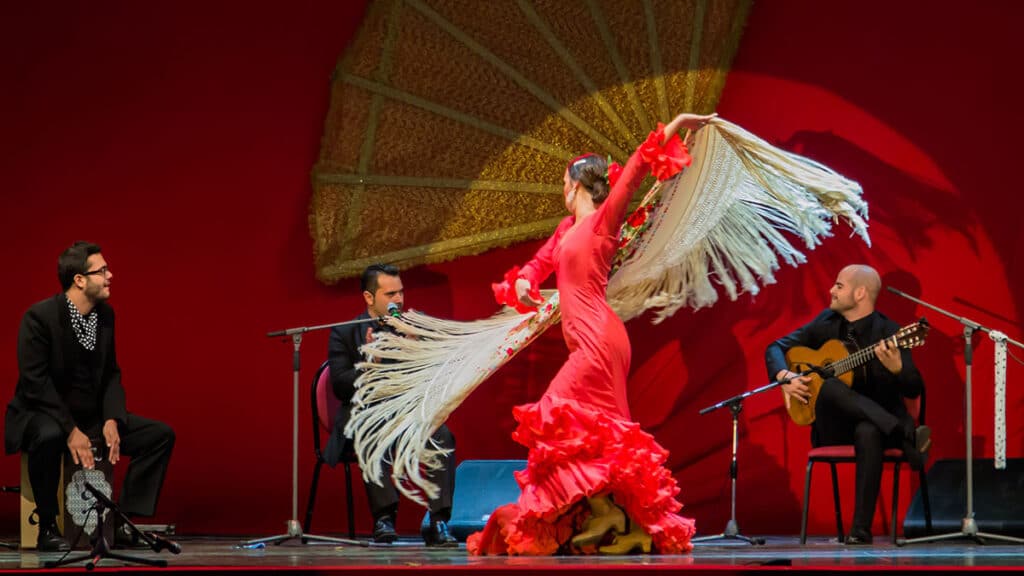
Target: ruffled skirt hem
x: 576, y: 453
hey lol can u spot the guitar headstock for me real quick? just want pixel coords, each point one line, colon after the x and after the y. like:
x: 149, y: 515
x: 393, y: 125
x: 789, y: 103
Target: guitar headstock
x: 912, y: 335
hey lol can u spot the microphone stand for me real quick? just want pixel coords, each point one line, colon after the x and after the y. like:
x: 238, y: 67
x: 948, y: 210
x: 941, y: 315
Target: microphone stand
x: 294, y: 527
x: 100, y: 546
x: 735, y: 405
x: 968, y: 526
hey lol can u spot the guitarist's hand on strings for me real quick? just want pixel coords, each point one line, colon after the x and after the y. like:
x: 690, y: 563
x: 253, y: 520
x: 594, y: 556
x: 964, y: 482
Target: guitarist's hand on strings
x: 795, y: 388
x: 888, y: 353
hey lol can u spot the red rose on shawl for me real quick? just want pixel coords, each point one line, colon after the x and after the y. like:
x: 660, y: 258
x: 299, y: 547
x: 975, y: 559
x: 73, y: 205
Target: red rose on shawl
x: 666, y: 160
x: 614, y: 171
x: 638, y: 217
x: 505, y: 292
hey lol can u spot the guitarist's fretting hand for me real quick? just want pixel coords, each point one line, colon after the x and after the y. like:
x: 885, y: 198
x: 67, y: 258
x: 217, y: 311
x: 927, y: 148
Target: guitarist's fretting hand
x: 797, y: 387
x: 889, y: 355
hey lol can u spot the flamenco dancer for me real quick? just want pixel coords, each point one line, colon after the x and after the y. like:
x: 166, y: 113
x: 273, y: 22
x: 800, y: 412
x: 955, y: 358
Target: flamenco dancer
x: 595, y: 482
x: 583, y: 446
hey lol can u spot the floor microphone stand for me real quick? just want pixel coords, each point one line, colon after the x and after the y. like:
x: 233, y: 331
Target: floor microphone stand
x: 101, y: 548
x: 294, y: 527
x: 735, y: 404
x: 968, y: 527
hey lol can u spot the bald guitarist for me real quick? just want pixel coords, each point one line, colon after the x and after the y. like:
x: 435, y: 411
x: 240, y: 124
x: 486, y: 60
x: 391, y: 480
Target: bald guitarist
x: 870, y: 414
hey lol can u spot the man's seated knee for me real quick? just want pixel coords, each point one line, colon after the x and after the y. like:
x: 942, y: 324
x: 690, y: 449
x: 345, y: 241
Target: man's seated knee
x: 165, y: 435
x: 832, y: 389
x: 867, y: 434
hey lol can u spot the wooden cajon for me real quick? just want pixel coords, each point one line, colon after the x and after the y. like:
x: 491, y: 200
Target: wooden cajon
x: 77, y: 500
x: 72, y: 499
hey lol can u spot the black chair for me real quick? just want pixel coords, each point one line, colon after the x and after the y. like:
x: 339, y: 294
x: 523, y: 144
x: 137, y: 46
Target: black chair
x: 844, y: 454
x: 325, y: 405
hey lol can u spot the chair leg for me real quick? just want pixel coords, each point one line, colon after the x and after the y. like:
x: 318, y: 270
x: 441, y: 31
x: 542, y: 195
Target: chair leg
x: 927, y: 502
x: 312, y: 496
x: 807, y: 502
x: 835, y: 498
x: 895, y: 499
x: 348, y: 501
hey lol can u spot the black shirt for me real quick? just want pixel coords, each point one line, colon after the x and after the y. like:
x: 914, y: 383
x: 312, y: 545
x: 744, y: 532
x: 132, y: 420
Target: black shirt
x: 83, y: 397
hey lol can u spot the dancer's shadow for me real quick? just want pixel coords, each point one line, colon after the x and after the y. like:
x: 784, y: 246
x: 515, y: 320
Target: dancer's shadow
x: 912, y: 209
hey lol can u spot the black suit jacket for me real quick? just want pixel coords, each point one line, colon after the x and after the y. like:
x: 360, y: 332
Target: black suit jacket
x: 47, y: 355
x: 342, y: 356
x: 882, y: 386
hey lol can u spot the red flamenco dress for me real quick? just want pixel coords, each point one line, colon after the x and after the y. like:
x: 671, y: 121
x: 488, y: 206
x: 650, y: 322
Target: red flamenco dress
x: 581, y: 440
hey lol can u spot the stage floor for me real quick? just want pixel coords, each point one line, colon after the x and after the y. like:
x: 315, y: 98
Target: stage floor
x: 216, y: 554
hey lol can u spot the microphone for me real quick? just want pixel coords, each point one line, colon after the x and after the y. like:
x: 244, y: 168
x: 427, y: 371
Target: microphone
x: 161, y: 543
x: 395, y: 310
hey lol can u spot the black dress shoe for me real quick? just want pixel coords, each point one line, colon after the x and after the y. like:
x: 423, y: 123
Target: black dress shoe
x: 858, y: 538
x: 916, y: 446
x: 384, y: 530
x: 50, y: 540
x: 436, y: 535
x: 125, y: 538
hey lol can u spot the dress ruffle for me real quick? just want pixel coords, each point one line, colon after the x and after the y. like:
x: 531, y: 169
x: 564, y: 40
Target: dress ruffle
x: 575, y: 453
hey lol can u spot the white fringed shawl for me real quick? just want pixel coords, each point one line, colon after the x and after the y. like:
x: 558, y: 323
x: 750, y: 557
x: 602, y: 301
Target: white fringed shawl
x: 720, y: 220
x: 723, y: 217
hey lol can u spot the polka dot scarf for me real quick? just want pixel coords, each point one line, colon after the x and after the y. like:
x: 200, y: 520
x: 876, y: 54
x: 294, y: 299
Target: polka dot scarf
x: 85, y: 326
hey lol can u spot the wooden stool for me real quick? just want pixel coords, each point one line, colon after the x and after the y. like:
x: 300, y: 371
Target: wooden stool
x: 30, y: 528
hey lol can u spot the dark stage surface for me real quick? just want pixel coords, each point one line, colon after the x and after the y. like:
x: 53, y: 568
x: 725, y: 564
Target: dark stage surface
x: 820, y: 555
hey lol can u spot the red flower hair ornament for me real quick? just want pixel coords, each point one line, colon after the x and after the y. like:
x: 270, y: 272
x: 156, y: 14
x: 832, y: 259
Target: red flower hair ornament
x: 614, y: 171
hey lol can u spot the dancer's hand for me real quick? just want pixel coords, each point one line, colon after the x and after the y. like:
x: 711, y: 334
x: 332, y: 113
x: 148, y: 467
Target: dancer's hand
x: 80, y: 448
x: 113, y: 438
x: 687, y: 121
x: 523, y: 293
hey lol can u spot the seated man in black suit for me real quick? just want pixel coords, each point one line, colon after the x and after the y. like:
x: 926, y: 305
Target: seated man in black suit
x: 871, y: 414
x: 382, y: 286
x: 69, y: 390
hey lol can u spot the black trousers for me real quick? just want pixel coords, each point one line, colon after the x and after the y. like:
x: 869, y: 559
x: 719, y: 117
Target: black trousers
x: 384, y: 499
x: 148, y: 444
x: 843, y: 416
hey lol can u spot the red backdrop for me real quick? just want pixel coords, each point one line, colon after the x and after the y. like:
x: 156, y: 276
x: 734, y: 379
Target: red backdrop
x: 180, y: 138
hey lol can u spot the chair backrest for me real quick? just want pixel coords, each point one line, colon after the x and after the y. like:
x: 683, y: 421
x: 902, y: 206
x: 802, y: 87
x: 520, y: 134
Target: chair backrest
x: 324, y: 401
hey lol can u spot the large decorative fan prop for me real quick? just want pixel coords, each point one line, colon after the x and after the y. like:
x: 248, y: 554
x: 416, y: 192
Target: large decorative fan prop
x: 451, y: 121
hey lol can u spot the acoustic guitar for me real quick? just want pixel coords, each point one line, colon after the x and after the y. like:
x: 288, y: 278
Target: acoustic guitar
x: 832, y: 359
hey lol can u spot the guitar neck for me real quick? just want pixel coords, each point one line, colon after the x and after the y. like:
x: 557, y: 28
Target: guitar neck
x: 855, y: 360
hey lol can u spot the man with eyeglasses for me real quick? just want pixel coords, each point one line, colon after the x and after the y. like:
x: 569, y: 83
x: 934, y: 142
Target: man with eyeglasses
x: 69, y: 390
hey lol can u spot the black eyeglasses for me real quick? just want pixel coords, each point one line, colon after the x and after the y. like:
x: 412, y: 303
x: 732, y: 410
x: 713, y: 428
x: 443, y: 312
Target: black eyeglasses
x: 102, y: 272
